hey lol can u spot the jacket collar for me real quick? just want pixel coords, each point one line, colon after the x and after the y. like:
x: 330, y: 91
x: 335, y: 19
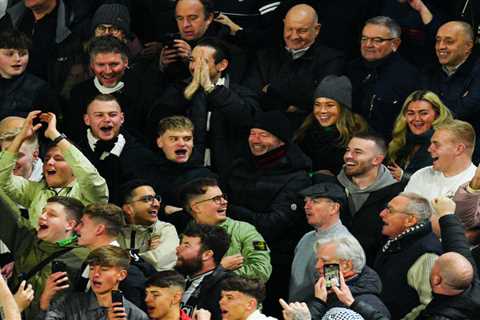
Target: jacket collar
x: 17, y: 12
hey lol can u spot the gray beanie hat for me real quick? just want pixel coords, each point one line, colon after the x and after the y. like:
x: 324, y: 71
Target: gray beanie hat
x: 338, y: 88
x: 114, y: 14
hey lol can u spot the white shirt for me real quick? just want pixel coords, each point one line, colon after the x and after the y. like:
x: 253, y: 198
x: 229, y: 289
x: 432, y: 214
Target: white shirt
x: 257, y: 315
x: 431, y: 183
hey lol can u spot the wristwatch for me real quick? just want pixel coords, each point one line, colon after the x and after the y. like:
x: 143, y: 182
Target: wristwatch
x: 59, y: 138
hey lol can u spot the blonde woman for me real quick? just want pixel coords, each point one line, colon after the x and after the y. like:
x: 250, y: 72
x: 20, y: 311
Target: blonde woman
x: 325, y: 133
x: 421, y: 113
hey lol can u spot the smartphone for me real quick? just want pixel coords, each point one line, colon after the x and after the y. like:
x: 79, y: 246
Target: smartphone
x: 58, y: 266
x: 331, y: 272
x: 117, y: 296
x: 168, y: 39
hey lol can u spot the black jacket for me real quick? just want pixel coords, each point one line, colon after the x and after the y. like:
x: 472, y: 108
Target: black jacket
x: 72, y: 27
x: 365, y: 224
x: 135, y: 162
x: 460, y: 92
x: 267, y: 198
x: 365, y: 288
x: 232, y: 110
x: 465, y: 306
x: 380, y: 88
x: 394, y: 263
x: 22, y: 94
x: 322, y: 146
x: 207, y: 294
x: 292, y: 82
x: 134, y: 99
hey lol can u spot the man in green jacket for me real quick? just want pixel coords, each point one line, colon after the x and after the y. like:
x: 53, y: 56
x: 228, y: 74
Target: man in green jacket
x: 248, y: 254
x: 66, y: 171
x: 53, y: 239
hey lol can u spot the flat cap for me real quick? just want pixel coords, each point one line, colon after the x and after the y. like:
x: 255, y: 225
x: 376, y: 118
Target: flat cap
x: 326, y: 190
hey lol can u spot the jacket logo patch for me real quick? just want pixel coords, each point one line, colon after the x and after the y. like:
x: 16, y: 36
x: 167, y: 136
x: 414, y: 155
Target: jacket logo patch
x: 260, y: 245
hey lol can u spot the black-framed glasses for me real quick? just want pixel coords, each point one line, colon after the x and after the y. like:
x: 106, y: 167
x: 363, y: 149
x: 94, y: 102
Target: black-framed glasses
x: 375, y: 40
x: 217, y: 199
x: 149, y: 198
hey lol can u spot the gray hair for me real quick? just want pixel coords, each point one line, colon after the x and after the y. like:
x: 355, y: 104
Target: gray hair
x: 387, y: 22
x: 347, y: 248
x: 417, y: 206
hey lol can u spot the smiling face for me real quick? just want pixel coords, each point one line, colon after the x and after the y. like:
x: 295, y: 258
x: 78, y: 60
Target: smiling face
x: 261, y: 141
x: 326, y: 111
x: 206, y: 210
x: 13, y: 62
x: 26, y: 157
x: 420, y: 116
x: 377, y: 42
x: 177, y: 145
x: 300, y: 29
x: 104, y: 119
x: 56, y: 170
x: 395, y: 219
x: 443, y: 150
x: 191, y: 20
x: 235, y: 305
x: 54, y: 224
x: 452, y: 44
x: 141, y: 210
x: 105, y: 279
x: 109, y: 68
x: 361, y: 156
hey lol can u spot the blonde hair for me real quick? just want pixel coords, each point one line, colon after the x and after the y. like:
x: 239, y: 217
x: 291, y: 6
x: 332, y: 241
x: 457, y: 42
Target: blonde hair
x: 348, y: 124
x: 461, y: 131
x: 400, y: 127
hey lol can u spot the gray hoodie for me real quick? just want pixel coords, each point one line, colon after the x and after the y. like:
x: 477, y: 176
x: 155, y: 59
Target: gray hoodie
x: 357, y: 196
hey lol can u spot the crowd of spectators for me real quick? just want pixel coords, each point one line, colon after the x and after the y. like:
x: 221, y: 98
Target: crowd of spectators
x: 239, y: 159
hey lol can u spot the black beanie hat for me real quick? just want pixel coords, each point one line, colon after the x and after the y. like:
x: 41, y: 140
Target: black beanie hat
x: 276, y: 123
x: 114, y: 14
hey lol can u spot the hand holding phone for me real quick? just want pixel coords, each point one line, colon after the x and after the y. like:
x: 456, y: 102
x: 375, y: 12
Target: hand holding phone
x: 117, y: 297
x: 331, y: 272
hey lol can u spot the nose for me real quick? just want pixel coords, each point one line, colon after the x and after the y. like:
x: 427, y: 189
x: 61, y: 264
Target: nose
x: 430, y: 148
x: 186, y: 23
x: 383, y: 213
x: 51, y: 161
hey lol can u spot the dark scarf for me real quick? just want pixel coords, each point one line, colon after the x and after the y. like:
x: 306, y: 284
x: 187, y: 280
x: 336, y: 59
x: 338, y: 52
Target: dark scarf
x: 102, y: 146
x: 413, y: 140
x: 269, y: 159
x: 394, y: 245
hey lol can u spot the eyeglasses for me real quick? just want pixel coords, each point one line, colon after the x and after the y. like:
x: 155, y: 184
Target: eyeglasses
x: 217, y: 199
x: 149, y: 198
x: 375, y: 40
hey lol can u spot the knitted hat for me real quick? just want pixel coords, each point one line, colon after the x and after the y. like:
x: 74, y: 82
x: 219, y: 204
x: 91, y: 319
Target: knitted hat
x: 338, y: 313
x: 114, y: 14
x: 336, y: 88
x: 276, y: 123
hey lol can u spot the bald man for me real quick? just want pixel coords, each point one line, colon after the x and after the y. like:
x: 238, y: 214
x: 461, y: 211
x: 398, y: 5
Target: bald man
x: 286, y: 77
x: 455, y: 285
x: 456, y: 75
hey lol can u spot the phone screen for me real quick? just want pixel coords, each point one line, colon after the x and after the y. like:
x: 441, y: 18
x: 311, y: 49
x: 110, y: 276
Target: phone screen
x: 331, y: 273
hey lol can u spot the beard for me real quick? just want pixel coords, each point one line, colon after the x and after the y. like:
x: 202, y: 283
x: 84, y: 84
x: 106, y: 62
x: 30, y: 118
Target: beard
x: 189, y: 267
